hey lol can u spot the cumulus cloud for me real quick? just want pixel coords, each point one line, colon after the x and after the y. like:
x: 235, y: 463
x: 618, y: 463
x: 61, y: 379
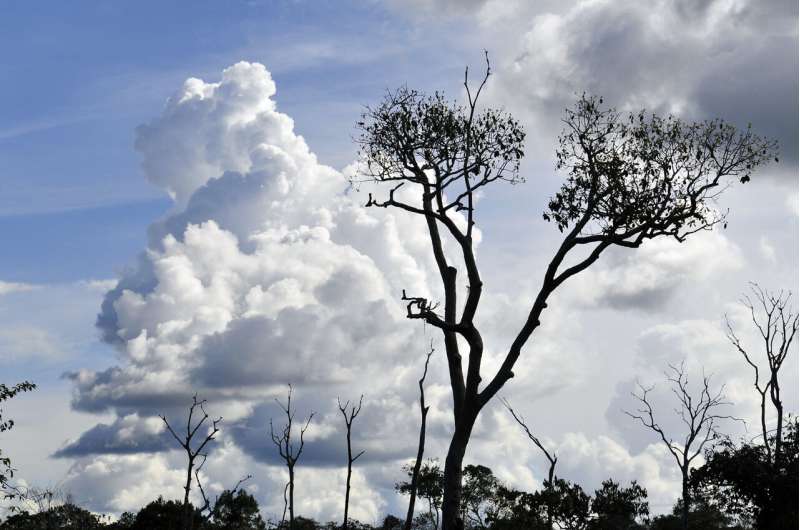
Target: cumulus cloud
x: 650, y: 277
x: 128, y: 434
x: 731, y: 59
x: 266, y: 272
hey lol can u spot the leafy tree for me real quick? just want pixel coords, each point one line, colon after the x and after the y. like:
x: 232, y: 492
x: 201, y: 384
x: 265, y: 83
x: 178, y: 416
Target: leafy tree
x: 702, y: 516
x: 617, y: 508
x: 166, y: 515
x: 628, y: 180
x: 62, y: 517
x: 479, y: 496
x: 6, y: 470
x: 430, y: 486
x: 236, y: 511
x: 750, y: 482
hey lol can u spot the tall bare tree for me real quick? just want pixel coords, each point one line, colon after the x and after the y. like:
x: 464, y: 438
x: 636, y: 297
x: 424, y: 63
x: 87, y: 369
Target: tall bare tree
x: 423, y: 410
x: 193, y: 448
x: 772, y: 315
x: 286, y: 447
x: 551, y: 457
x: 628, y: 180
x: 349, y: 417
x: 699, y: 415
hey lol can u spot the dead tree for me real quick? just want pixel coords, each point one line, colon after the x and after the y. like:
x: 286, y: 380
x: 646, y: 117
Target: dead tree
x: 349, y: 417
x: 423, y: 410
x: 772, y: 316
x: 186, y: 442
x: 628, y: 180
x: 551, y: 458
x: 697, y: 413
x: 286, y: 448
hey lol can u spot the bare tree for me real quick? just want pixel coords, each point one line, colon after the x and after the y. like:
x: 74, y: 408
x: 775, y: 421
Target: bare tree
x: 349, y: 417
x: 287, y: 449
x: 423, y: 410
x: 628, y: 180
x: 772, y: 316
x: 187, y: 442
x: 551, y: 457
x: 697, y: 413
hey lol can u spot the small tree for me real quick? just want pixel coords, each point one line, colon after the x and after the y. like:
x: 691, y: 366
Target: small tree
x: 618, y: 508
x: 747, y: 483
x: 699, y: 415
x: 423, y: 410
x: 287, y: 449
x: 6, y: 424
x: 236, y: 510
x: 349, y: 417
x: 429, y: 486
x: 193, y: 450
x: 629, y: 180
x: 775, y: 321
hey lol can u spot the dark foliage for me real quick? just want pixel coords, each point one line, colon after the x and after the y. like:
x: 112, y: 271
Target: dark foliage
x: 6, y: 470
x: 63, y: 517
x: 742, y: 480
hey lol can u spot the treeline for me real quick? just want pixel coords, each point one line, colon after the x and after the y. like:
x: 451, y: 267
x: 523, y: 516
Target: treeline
x: 741, y: 486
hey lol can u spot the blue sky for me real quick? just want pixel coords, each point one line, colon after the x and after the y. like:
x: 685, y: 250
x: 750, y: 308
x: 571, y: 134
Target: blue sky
x: 76, y: 207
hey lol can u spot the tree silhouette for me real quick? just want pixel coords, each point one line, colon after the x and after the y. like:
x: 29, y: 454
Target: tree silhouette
x: 747, y: 483
x: 617, y: 508
x: 423, y: 409
x: 772, y: 316
x: 349, y: 417
x: 288, y: 451
x: 699, y: 416
x: 429, y: 486
x: 628, y: 181
x: 193, y: 450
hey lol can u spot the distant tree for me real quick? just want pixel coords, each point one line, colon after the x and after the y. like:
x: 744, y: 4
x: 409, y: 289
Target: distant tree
x: 702, y: 516
x: 772, y: 316
x: 235, y: 510
x: 701, y: 419
x: 126, y: 521
x: 617, y: 508
x: 193, y: 449
x: 479, y: 498
x: 391, y: 522
x: 62, y: 517
x: 166, y: 515
x: 552, y: 459
x: 6, y: 424
x: 423, y: 410
x: 750, y: 482
x: 628, y: 181
x: 349, y: 417
x: 429, y: 487
x: 287, y: 450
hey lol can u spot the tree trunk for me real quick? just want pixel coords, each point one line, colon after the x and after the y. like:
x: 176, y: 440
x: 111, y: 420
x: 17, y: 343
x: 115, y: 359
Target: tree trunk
x: 775, y: 394
x: 187, y: 512
x: 686, y: 499
x: 349, y: 474
x: 415, y: 473
x: 291, y: 497
x: 451, y: 505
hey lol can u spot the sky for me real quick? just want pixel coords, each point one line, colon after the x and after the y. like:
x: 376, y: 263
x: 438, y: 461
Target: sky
x: 175, y: 218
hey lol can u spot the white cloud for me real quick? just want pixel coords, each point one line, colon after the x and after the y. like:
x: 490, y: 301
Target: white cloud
x: 16, y: 287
